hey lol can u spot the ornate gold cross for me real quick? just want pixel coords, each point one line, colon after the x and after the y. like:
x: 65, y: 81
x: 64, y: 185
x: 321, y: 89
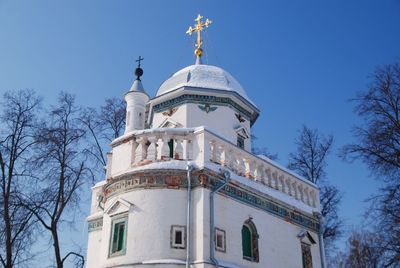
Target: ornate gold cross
x: 198, y: 27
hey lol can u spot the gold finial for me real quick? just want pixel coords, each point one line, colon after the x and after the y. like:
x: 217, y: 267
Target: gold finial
x: 198, y: 27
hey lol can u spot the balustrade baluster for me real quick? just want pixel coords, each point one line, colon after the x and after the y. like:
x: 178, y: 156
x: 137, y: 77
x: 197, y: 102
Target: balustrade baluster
x: 240, y: 165
x: 178, y: 153
x: 247, y: 168
x: 152, y: 149
x: 307, y: 196
x: 213, y: 151
x: 165, y: 148
x: 189, y: 149
x: 288, y: 187
x: 222, y: 155
x: 141, y: 150
x: 133, y: 152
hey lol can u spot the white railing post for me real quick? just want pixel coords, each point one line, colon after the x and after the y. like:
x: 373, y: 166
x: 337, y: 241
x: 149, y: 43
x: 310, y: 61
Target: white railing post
x: 141, y: 150
x: 152, y: 150
x: 164, y: 147
x: 213, y: 149
x: 221, y: 154
x: 247, y: 168
x: 178, y: 152
x: 133, y: 151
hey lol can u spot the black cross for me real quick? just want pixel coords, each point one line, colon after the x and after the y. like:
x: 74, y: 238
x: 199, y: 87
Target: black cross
x: 139, y: 60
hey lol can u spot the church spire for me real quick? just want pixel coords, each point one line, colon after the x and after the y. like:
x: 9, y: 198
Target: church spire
x: 198, y: 27
x: 137, y: 84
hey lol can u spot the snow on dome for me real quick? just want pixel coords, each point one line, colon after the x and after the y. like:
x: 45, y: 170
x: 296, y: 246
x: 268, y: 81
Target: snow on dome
x: 203, y: 76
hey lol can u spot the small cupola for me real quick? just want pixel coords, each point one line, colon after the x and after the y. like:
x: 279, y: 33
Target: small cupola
x: 136, y: 99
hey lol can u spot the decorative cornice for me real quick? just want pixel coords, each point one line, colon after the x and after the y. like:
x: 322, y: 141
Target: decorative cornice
x: 204, y: 99
x: 176, y: 179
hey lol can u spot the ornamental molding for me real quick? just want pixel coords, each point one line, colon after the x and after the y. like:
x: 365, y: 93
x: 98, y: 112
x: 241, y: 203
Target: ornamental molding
x: 95, y: 225
x: 204, y: 99
x: 118, y: 206
x: 207, y: 108
x: 205, y: 178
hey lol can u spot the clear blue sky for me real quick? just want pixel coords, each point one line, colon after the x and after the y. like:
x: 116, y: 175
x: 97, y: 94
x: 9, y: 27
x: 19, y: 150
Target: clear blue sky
x: 299, y: 61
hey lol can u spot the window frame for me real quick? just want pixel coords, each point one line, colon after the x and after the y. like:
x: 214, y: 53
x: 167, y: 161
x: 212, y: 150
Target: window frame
x: 240, y: 141
x: 174, y: 230
x: 306, y: 248
x: 254, y: 252
x: 221, y: 232
x: 114, y: 222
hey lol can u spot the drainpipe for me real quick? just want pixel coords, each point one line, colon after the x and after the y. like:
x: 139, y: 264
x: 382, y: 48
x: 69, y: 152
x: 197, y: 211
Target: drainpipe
x: 321, y: 240
x: 227, y: 176
x: 188, y: 214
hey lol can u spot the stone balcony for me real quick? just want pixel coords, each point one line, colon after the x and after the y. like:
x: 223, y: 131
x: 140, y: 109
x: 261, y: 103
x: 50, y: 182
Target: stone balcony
x: 205, y: 148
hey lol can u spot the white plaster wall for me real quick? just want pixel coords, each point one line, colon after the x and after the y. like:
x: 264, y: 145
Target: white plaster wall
x: 221, y: 121
x: 121, y: 158
x: 278, y: 242
x: 154, y: 212
x: 200, y: 225
x: 93, y: 254
x: 180, y: 116
x: 149, y: 225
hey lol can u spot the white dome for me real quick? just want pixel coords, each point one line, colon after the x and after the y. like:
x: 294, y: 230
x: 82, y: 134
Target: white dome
x: 203, y: 76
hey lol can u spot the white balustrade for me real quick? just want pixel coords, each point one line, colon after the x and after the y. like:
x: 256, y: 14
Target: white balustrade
x: 202, y: 146
x: 245, y: 164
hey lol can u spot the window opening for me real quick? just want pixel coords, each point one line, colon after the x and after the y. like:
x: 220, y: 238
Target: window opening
x: 118, y: 236
x: 178, y: 236
x: 240, y: 142
x: 171, y: 148
x: 250, y: 241
x: 246, y: 242
x: 220, y: 240
x: 306, y: 255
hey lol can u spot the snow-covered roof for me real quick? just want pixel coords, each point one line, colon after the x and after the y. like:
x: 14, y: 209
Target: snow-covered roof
x: 203, y: 76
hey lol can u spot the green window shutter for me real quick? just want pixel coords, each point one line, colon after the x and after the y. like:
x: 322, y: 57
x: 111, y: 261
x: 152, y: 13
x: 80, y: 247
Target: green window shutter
x: 115, y: 239
x: 246, y: 242
x: 121, y: 236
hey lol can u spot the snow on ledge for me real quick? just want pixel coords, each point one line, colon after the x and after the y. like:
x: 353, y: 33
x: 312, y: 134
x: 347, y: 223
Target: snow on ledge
x: 272, y: 162
x: 225, y: 264
x: 182, y: 165
x: 285, y: 198
x: 164, y: 261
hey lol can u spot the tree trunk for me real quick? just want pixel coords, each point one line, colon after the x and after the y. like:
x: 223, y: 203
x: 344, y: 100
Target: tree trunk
x: 8, y: 233
x: 56, y: 245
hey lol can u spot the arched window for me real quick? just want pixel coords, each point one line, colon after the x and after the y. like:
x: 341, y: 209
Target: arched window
x: 250, y: 241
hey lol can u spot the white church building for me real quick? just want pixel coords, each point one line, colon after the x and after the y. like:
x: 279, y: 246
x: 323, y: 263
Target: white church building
x: 183, y: 189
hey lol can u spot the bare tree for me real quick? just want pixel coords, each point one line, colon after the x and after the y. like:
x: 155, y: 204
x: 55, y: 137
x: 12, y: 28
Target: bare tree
x: 61, y: 159
x: 363, y: 250
x: 310, y: 161
x: 378, y: 146
x: 18, y: 122
x: 112, y: 117
x: 103, y: 126
x: 330, y: 199
x: 378, y: 139
x: 95, y: 129
x: 262, y: 150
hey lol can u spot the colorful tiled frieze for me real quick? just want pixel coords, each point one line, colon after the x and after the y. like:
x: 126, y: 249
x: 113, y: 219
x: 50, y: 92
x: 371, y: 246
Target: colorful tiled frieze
x: 204, y: 99
x: 96, y: 224
x: 176, y: 179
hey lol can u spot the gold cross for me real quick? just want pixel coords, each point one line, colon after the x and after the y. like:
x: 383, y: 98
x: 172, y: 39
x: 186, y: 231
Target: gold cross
x: 198, y: 27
